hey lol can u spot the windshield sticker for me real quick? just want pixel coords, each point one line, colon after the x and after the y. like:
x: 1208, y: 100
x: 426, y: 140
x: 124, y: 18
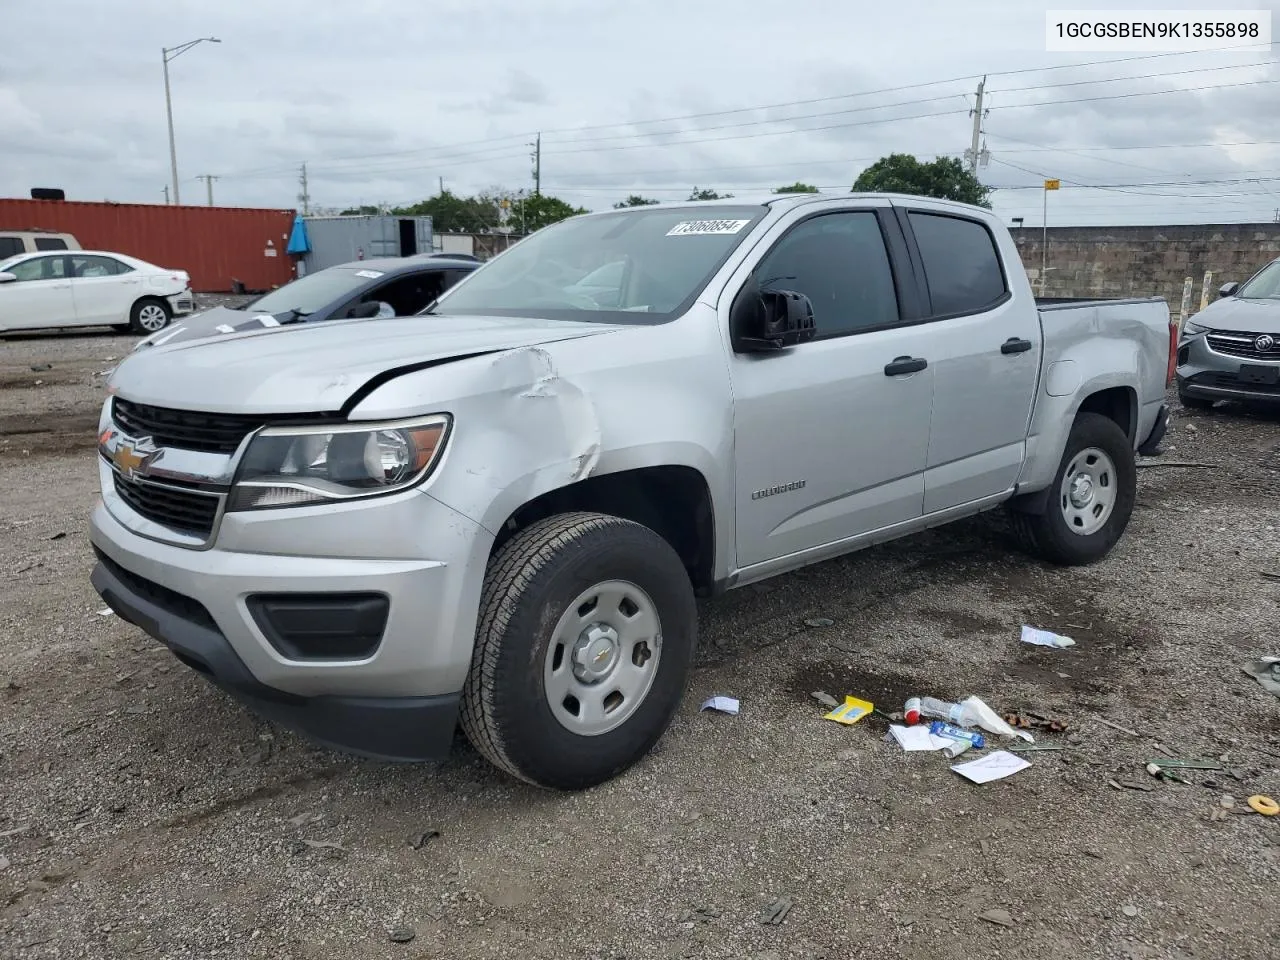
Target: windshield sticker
x: 369, y: 274
x: 693, y: 228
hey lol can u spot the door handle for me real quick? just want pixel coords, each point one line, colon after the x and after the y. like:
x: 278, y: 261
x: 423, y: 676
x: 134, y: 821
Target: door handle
x: 903, y: 365
x: 1015, y: 345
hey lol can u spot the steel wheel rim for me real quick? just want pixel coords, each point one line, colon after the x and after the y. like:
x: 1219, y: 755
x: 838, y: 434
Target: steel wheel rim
x: 603, y: 657
x: 151, y: 317
x: 1087, y: 495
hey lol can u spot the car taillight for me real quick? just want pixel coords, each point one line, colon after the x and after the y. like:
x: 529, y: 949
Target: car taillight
x: 1173, y: 354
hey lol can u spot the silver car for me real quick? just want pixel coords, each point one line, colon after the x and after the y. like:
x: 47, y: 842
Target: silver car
x: 1231, y: 349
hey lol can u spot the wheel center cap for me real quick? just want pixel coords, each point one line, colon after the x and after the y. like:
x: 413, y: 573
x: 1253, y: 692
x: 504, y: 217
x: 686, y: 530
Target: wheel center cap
x: 595, y: 653
x: 1081, y: 490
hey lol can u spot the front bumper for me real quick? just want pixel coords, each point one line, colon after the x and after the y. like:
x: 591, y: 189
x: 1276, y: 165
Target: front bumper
x: 387, y: 728
x: 398, y: 702
x: 1206, y: 374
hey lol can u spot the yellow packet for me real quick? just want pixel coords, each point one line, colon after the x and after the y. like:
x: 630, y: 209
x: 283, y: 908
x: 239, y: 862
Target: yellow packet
x: 850, y: 712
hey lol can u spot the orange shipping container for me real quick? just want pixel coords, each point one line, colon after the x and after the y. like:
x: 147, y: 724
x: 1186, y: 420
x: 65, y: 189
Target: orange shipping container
x: 216, y: 245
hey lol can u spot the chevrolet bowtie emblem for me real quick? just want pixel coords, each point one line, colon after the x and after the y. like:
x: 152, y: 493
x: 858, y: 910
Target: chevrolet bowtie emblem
x: 130, y: 457
x: 127, y: 460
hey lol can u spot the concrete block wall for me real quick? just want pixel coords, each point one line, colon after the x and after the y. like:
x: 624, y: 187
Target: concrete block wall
x: 1146, y: 261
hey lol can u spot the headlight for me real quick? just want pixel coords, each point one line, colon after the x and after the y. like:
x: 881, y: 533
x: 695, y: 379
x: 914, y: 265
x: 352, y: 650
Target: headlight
x: 294, y: 466
x: 1190, y: 329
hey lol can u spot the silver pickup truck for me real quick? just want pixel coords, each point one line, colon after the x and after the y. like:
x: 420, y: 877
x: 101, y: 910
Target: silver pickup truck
x: 500, y: 512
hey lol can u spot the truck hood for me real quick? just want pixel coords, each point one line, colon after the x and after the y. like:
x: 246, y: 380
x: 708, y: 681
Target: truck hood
x: 316, y: 368
x: 1241, y: 316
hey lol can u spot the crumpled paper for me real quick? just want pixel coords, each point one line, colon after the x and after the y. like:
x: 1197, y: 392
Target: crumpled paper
x: 1267, y: 672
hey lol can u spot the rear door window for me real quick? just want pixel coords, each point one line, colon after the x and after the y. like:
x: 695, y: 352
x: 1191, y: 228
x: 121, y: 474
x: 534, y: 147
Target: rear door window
x: 50, y: 243
x: 961, y: 263
x: 11, y: 247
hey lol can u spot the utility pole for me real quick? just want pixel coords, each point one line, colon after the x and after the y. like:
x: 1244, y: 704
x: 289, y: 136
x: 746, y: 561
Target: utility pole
x: 208, y: 179
x: 974, y: 155
x: 167, y: 54
x: 537, y: 165
x: 304, y: 197
x: 442, y: 185
x: 166, y: 197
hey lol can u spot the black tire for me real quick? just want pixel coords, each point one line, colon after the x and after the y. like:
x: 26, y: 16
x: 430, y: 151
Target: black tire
x: 529, y: 584
x: 1048, y: 534
x: 1194, y: 403
x: 148, y: 304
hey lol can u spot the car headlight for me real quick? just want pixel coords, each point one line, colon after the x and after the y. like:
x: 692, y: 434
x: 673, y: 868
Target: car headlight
x: 1190, y: 329
x: 296, y: 466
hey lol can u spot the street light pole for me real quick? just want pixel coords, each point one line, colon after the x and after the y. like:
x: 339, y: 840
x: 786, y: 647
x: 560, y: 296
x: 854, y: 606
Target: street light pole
x: 167, y: 54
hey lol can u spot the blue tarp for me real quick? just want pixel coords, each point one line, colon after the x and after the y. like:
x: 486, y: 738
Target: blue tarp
x: 299, y: 243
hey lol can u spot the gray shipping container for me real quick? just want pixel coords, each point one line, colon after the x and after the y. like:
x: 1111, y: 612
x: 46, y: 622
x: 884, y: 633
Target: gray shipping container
x: 337, y: 240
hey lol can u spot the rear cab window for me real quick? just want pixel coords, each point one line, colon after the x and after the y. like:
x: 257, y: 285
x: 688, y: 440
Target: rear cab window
x: 50, y: 243
x: 962, y: 266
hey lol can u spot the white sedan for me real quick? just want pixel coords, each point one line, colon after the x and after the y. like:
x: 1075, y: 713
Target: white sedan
x: 90, y: 288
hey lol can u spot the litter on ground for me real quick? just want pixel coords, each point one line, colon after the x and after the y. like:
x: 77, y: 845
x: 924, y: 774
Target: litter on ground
x: 1043, y: 638
x: 721, y: 705
x: 850, y: 712
x: 994, y: 766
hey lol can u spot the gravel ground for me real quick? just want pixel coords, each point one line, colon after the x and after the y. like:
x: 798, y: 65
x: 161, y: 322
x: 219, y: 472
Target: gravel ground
x: 144, y: 814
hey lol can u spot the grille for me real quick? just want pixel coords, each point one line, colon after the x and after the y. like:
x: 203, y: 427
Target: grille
x: 1242, y: 345
x: 175, y: 507
x: 186, y: 429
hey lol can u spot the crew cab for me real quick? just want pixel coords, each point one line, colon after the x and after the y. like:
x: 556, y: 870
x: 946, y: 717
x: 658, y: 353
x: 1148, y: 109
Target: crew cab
x: 500, y: 512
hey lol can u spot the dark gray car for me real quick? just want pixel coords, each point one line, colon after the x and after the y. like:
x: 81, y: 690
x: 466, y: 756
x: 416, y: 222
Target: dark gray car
x: 1231, y: 349
x: 389, y: 287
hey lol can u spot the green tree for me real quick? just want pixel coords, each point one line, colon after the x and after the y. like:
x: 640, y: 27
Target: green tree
x: 797, y: 187
x: 706, y: 194
x: 368, y: 210
x: 945, y: 178
x: 451, y: 213
x: 635, y: 200
x: 535, y: 212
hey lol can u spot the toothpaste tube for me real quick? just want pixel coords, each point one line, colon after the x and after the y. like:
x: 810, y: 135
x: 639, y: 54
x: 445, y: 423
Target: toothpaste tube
x: 940, y: 729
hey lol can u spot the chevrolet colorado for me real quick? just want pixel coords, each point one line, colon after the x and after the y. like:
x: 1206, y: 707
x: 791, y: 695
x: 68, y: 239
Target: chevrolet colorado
x: 500, y: 512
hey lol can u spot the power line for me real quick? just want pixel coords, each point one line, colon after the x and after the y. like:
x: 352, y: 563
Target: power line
x: 506, y: 141
x: 898, y: 89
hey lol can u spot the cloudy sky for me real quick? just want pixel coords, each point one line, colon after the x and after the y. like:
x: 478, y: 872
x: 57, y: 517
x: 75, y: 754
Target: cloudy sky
x: 386, y: 97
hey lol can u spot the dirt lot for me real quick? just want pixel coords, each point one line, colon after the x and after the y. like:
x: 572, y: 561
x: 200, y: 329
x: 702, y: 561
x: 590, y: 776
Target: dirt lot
x: 144, y: 814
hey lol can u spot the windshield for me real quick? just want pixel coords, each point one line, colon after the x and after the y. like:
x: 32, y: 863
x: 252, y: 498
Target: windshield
x: 6, y: 264
x: 627, y: 267
x: 1265, y: 284
x: 308, y: 294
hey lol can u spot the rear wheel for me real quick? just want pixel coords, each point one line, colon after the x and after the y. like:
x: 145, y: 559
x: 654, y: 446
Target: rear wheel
x: 1194, y: 403
x: 150, y: 315
x: 1091, y: 497
x: 586, y: 635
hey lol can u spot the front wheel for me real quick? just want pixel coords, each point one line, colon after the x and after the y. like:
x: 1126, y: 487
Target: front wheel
x: 1091, y: 497
x: 586, y: 635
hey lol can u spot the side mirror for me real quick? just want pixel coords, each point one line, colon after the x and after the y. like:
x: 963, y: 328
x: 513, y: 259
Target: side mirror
x: 1228, y: 289
x: 762, y: 321
x: 7, y: 278
x: 363, y: 311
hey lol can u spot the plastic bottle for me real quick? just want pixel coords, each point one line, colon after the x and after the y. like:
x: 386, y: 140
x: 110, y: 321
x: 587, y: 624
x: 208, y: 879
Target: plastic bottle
x: 911, y: 712
x: 940, y: 729
x: 943, y: 710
